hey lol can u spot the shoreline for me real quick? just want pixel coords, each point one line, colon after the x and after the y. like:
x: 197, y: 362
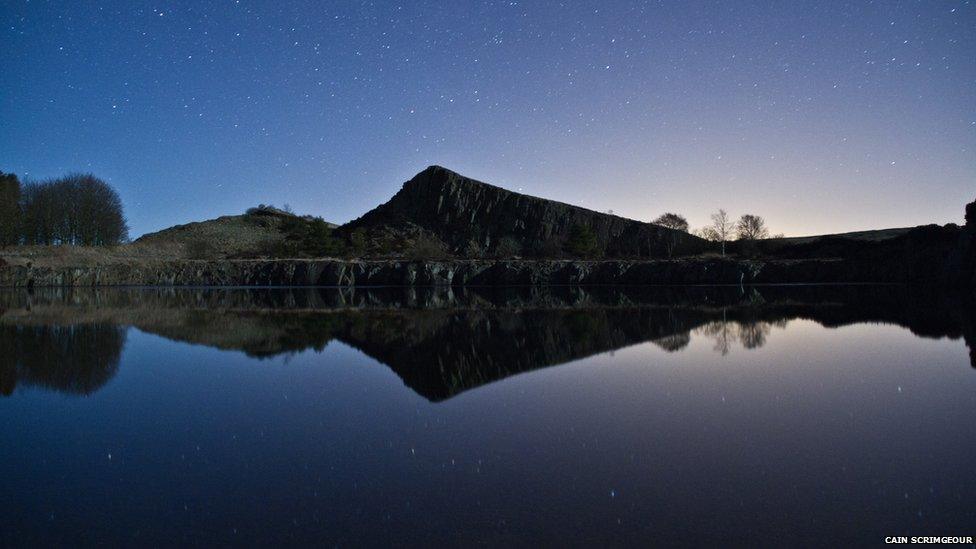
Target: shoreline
x: 329, y: 272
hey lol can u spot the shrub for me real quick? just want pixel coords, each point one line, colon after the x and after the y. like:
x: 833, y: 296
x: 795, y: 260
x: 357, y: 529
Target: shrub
x: 473, y: 250
x: 582, y: 241
x: 357, y: 241
x: 200, y: 249
x: 508, y: 247
x: 546, y: 249
x: 307, y: 237
x: 427, y: 247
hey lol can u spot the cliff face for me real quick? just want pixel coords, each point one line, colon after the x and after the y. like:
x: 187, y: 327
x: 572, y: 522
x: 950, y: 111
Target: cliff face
x: 473, y: 218
x: 331, y: 272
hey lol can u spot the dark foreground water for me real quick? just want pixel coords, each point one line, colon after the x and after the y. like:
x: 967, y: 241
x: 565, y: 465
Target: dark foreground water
x: 693, y: 416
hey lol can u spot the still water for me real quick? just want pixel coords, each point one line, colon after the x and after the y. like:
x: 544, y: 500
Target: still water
x: 564, y: 416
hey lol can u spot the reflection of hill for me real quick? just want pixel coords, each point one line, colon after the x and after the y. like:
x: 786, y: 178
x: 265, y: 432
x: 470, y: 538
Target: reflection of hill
x: 439, y: 341
x: 440, y: 353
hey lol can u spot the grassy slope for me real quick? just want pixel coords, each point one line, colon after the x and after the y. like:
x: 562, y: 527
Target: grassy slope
x: 234, y: 236
x: 868, y: 236
x: 220, y: 238
x: 226, y: 236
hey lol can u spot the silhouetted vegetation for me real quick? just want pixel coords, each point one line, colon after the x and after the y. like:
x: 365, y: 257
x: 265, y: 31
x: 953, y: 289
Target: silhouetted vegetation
x: 78, y: 209
x: 72, y: 359
x: 547, y: 248
x: 426, y: 247
x: 582, y: 241
x: 674, y: 342
x: 507, y: 247
x: 675, y: 222
x: 357, y: 240
x: 748, y: 230
x: 302, y: 236
x: 269, y: 209
x: 751, y: 227
x: 672, y: 221
x: 10, y: 213
x: 308, y: 237
x: 720, y: 230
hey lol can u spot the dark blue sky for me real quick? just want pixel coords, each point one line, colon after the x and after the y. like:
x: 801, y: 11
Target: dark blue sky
x: 821, y: 116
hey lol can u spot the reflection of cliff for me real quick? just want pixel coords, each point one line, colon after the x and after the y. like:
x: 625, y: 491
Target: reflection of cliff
x: 75, y: 359
x: 441, y: 353
x: 439, y: 341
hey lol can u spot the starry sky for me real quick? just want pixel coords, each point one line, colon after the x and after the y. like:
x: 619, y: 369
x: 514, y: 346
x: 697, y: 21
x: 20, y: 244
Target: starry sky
x: 820, y: 116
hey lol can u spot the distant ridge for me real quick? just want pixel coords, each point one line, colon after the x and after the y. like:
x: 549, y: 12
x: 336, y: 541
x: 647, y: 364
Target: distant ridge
x: 472, y: 218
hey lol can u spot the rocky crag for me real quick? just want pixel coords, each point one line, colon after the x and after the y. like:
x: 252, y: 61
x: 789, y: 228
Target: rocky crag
x: 474, y: 219
x: 451, y: 272
x: 445, y: 229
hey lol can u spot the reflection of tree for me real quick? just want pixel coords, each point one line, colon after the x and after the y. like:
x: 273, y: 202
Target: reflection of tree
x: 674, y: 342
x: 584, y: 327
x: 722, y: 332
x: 8, y: 363
x: 75, y: 359
x: 750, y: 334
x: 441, y: 341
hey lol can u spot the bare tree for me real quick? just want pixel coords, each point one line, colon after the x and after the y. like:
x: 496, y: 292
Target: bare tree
x: 720, y: 230
x: 77, y: 209
x: 724, y: 333
x: 753, y: 334
x: 751, y: 227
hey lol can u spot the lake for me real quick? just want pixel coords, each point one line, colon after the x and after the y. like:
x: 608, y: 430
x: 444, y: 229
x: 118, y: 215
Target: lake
x: 507, y: 416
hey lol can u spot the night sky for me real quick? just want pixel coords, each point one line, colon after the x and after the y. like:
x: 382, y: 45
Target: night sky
x: 822, y: 117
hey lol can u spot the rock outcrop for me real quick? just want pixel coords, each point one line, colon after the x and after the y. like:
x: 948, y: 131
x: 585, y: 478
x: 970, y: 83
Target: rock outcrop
x: 349, y: 273
x: 474, y: 219
x: 943, y: 255
x: 446, y: 229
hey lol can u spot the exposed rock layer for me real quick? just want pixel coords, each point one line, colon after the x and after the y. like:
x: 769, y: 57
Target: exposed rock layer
x: 472, y: 217
x: 329, y: 272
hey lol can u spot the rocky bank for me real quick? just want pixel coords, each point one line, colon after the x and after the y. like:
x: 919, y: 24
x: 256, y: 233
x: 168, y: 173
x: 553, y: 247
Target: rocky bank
x: 457, y: 272
x: 443, y: 229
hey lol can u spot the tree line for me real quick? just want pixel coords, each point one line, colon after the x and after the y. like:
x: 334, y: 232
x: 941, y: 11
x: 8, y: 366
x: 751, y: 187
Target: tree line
x: 749, y: 228
x: 77, y: 209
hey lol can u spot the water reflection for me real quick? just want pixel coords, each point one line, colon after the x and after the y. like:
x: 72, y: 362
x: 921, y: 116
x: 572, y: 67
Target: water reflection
x: 750, y: 334
x: 76, y: 359
x: 439, y: 341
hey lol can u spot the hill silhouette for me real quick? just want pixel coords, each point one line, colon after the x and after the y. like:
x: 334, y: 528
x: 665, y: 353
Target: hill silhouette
x: 460, y: 216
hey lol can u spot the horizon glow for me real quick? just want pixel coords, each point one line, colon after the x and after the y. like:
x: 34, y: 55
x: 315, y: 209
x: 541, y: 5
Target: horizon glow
x: 823, y: 118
